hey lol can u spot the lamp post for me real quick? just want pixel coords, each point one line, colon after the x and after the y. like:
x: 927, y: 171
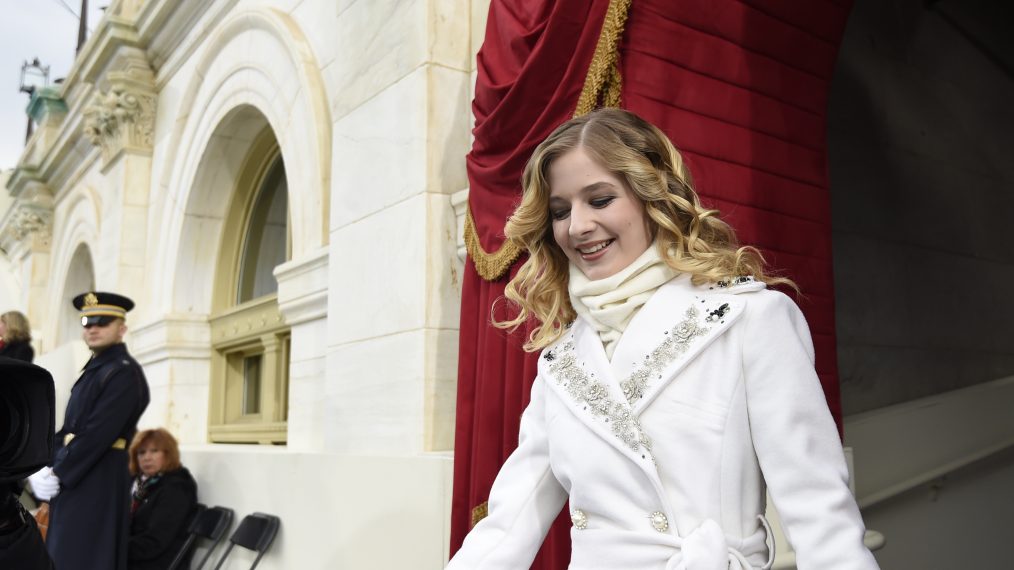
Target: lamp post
x: 82, y: 26
x: 34, y: 76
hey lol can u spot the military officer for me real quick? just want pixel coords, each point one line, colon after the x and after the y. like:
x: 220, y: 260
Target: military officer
x: 89, y: 515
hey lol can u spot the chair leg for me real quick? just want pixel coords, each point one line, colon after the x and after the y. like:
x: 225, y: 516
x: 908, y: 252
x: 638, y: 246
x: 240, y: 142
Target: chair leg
x: 224, y: 556
x: 182, y: 553
x: 257, y: 560
x: 207, y: 555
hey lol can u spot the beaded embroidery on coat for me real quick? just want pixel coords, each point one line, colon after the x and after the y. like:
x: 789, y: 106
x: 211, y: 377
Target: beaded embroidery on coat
x: 594, y: 396
x: 676, y: 343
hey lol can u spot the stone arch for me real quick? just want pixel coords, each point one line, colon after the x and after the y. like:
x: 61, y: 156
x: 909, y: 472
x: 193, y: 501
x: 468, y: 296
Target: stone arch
x: 73, y: 264
x: 80, y: 276
x: 256, y: 72
x: 212, y: 195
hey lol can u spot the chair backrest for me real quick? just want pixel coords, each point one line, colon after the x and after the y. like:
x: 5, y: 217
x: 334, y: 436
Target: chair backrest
x: 212, y: 523
x: 256, y: 532
x: 208, y: 523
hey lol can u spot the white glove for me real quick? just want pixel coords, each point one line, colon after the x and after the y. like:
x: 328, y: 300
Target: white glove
x: 45, y: 483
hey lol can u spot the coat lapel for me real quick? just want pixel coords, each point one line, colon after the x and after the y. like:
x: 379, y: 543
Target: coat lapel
x: 579, y: 373
x: 672, y: 328
x: 675, y: 326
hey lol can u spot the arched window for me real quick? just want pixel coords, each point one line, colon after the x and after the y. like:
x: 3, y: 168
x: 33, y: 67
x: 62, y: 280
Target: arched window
x: 249, y: 399
x: 265, y: 244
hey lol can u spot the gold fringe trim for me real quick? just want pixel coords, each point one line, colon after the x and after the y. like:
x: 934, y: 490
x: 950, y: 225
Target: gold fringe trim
x: 602, y: 88
x: 480, y: 512
x: 603, y: 82
x: 489, y: 266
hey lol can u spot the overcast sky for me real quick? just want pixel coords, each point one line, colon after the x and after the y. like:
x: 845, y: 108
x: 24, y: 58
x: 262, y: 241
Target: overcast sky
x: 46, y: 29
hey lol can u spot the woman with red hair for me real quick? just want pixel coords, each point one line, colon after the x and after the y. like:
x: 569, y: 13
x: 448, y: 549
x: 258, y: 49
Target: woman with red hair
x: 164, y: 500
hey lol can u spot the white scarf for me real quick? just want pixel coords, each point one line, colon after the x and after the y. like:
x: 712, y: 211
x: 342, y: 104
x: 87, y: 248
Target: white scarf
x: 609, y: 304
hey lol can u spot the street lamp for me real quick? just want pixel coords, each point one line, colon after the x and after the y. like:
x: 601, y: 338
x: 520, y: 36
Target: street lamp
x: 34, y: 76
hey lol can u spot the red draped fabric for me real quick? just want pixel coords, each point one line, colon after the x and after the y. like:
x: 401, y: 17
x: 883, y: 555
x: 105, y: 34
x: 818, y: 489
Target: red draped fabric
x: 531, y: 69
x: 741, y: 88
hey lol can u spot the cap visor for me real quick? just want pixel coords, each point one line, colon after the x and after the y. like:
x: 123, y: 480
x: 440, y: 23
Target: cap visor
x: 101, y: 320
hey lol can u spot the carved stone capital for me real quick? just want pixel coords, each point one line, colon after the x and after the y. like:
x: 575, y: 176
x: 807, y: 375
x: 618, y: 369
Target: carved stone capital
x: 121, y: 118
x: 28, y: 222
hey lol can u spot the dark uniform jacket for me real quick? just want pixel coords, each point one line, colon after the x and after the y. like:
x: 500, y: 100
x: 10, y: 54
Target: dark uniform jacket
x: 158, y: 528
x: 21, y: 350
x: 90, y: 518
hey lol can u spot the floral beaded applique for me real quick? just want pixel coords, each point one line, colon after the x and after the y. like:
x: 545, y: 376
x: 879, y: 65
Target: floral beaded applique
x: 594, y: 396
x: 676, y: 343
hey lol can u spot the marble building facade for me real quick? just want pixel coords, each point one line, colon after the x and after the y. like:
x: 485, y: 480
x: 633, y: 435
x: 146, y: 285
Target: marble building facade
x: 275, y: 184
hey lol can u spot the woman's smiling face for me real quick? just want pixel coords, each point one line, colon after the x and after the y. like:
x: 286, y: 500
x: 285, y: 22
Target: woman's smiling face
x: 598, y: 222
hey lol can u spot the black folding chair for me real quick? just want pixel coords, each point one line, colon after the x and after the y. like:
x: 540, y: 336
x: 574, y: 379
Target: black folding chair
x: 255, y: 532
x: 210, y: 524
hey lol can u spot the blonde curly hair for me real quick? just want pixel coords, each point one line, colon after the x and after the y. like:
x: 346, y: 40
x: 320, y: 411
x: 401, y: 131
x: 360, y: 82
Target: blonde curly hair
x: 691, y: 238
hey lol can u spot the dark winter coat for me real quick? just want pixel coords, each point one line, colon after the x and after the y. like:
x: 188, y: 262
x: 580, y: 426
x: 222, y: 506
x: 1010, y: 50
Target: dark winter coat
x: 158, y: 528
x: 22, y: 547
x: 89, y: 521
x: 18, y: 350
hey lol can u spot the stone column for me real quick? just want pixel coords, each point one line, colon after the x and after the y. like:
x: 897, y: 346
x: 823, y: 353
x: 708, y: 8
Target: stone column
x: 120, y: 119
x: 394, y: 305
x: 26, y: 235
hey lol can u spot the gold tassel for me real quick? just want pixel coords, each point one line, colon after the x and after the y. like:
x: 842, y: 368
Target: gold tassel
x: 479, y: 512
x: 489, y: 266
x: 603, y: 82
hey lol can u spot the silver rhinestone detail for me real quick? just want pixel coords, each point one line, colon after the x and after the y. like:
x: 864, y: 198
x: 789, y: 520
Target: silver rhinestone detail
x: 595, y: 398
x: 676, y: 343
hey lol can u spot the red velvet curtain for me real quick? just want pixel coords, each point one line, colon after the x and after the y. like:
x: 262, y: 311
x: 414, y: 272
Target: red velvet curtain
x: 741, y: 88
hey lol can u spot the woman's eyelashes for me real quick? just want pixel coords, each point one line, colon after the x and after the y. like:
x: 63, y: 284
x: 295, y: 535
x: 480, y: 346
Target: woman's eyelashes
x: 598, y: 203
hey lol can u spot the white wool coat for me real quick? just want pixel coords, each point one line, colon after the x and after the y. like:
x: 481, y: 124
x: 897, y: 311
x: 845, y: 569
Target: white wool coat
x: 665, y: 451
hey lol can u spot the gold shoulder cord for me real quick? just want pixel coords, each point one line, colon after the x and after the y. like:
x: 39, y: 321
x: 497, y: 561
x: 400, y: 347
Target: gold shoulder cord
x: 601, y: 89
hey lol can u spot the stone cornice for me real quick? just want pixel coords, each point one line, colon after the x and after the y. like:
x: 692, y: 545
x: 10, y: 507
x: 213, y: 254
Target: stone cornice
x: 182, y: 336
x: 23, y: 176
x: 303, y: 287
x: 166, y: 27
x: 98, y: 52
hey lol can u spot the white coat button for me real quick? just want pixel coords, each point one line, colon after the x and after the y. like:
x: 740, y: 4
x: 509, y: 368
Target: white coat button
x: 579, y: 519
x: 659, y: 521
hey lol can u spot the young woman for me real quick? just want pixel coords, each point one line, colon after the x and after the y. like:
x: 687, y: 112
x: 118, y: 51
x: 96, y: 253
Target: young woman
x: 16, y: 336
x: 673, y: 387
x: 164, y: 501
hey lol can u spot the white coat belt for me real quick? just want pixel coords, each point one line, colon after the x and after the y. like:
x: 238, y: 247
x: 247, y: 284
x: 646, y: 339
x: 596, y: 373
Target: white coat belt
x: 704, y: 548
